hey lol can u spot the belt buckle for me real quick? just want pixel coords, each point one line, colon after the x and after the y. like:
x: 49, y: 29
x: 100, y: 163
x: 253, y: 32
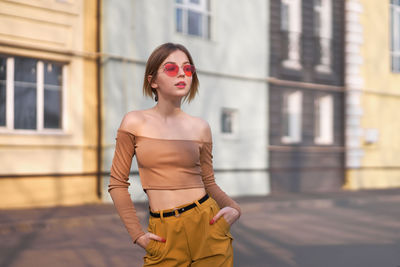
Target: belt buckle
x: 177, y: 214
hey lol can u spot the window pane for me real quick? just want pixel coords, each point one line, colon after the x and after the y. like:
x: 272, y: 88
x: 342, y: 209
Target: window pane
x: 3, y: 73
x: 396, y: 31
x: 317, y: 22
x: 52, y: 108
x: 25, y: 107
x: 318, y: 119
x: 194, y: 23
x: 324, y: 120
x: 226, y: 122
x: 285, y: 116
x: 52, y: 74
x: 195, y: 1
x: 179, y: 20
x: 295, y: 115
x: 208, y: 27
x: 179, y: 1
x: 291, y: 116
x: 3, y: 68
x: 52, y: 95
x: 392, y: 14
x: 395, y: 37
x: 24, y: 93
x: 25, y: 70
x: 284, y: 17
x: 396, y: 63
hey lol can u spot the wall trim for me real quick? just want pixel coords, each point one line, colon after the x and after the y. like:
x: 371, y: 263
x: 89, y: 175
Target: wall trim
x: 354, y: 83
x: 316, y: 86
x: 307, y: 148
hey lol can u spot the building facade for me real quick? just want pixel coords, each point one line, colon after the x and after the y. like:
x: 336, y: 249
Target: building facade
x: 48, y: 126
x: 306, y: 100
x: 301, y: 95
x: 373, y: 97
x: 231, y: 59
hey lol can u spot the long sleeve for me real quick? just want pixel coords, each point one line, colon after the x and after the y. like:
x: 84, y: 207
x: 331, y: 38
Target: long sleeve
x: 118, y: 185
x: 222, y: 199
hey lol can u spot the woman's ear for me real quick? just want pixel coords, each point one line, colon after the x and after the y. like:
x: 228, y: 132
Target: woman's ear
x: 152, y: 84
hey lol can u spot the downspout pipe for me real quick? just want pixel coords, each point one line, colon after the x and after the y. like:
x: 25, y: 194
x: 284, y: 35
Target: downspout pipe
x: 99, y: 101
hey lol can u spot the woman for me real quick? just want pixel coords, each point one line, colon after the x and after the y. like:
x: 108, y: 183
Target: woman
x: 190, y: 215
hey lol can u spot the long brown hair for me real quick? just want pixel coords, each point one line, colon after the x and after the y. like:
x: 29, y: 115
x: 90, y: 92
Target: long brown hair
x: 154, y: 62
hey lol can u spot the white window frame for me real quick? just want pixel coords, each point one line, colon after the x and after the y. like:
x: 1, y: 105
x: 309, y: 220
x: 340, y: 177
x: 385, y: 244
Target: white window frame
x: 234, y: 113
x: 292, y: 105
x: 324, y: 120
x: 9, y: 125
x: 324, y: 35
x: 201, y: 8
x: 294, y: 34
x: 395, y: 35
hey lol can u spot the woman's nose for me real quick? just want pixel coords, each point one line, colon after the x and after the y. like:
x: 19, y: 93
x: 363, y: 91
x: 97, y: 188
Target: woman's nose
x: 181, y: 72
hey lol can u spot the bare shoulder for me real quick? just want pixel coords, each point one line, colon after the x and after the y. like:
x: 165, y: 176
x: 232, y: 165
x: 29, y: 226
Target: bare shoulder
x: 203, y: 127
x: 132, y: 121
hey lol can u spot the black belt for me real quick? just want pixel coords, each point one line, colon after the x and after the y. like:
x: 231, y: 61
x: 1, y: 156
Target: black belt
x: 177, y: 212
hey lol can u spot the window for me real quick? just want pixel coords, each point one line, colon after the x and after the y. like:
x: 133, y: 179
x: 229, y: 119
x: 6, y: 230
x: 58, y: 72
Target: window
x: 25, y: 96
x: 52, y: 95
x: 30, y: 94
x: 3, y: 75
x: 291, y: 26
x: 323, y: 31
x: 229, y: 121
x: 395, y: 34
x: 193, y: 17
x: 291, y: 117
x: 285, y: 16
x: 324, y: 120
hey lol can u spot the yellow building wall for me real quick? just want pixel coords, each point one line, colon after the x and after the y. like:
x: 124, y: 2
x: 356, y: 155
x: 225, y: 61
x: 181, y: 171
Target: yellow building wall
x: 47, y: 169
x: 380, y: 102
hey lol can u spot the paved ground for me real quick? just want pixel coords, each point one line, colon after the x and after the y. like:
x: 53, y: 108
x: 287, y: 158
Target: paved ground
x: 308, y: 230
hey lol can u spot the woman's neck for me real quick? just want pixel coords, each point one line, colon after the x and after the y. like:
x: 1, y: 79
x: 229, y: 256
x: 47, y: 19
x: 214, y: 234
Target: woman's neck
x: 168, y: 110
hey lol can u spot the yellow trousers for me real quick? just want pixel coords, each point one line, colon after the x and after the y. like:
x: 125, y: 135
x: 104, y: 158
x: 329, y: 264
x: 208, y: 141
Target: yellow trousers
x: 190, y: 239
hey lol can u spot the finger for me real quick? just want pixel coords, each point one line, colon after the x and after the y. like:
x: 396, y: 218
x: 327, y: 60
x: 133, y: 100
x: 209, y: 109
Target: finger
x: 216, y: 217
x: 156, y: 237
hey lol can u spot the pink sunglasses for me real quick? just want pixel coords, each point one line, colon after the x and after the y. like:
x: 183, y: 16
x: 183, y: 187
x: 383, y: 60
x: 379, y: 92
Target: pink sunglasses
x: 171, y: 69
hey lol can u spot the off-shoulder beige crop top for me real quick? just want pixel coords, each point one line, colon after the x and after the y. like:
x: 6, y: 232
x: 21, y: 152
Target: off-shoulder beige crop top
x: 169, y: 164
x: 163, y: 164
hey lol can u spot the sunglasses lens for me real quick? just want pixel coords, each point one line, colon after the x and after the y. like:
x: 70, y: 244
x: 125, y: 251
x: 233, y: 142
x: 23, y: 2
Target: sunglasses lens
x: 171, y: 69
x: 188, y: 70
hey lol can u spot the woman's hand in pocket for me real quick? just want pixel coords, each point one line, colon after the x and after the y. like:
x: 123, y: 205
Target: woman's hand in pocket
x: 144, y: 240
x: 230, y: 215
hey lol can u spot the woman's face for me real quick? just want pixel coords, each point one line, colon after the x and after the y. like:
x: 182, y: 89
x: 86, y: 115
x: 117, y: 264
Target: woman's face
x: 175, y: 86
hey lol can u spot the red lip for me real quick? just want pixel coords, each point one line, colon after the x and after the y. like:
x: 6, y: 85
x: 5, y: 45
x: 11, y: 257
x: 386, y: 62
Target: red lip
x: 181, y: 84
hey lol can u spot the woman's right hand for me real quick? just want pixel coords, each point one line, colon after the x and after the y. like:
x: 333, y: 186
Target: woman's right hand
x: 144, y: 240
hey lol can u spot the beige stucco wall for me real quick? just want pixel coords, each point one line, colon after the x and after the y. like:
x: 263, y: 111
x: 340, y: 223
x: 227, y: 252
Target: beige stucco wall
x: 47, y: 169
x: 380, y: 102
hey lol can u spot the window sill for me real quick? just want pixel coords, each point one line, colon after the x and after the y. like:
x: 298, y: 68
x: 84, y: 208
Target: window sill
x: 290, y: 140
x: 34, y: 132
x: 291, y: 64
x: 229, y: 136
x: 193, y: 36
x: 323, y: 69
x: 323, y: 142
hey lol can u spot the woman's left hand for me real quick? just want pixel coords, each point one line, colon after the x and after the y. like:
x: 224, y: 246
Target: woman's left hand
x: 230, y: 215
